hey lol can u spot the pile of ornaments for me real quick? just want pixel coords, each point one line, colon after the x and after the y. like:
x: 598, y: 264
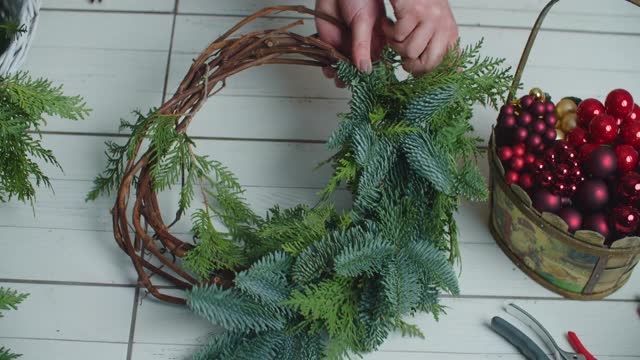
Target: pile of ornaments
x: 577, y: 159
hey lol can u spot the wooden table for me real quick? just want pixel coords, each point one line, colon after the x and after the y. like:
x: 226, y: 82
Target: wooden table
x: 268, y: 127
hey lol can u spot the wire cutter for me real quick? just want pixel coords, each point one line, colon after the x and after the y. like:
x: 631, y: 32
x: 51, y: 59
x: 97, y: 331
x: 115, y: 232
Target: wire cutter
x: 527, y: 346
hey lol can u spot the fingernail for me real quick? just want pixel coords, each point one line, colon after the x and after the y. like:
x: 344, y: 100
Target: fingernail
x: 365, y: 65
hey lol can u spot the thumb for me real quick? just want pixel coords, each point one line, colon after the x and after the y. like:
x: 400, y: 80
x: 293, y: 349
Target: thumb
x: 362, y: 34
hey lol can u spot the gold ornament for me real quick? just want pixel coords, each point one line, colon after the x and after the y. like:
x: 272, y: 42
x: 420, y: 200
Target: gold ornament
x: 538, y: 94
x: 569, y: 122
x: 560, y: 135
x: 565, y: 106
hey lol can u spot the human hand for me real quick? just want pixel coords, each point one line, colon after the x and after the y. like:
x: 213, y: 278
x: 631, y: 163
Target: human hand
x: 364, y: 42
x: 422, y: 34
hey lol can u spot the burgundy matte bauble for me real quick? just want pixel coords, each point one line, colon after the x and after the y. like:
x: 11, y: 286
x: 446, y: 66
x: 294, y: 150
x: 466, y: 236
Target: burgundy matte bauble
x: 635, y: 113
x: 585, y: 151
x: 524, y: 119
x: 624, y: 219
x: 549, y: 135
x: 562, y: 171
x: 504, y: 153
x: 550, y: 156
x: 519, y: 149
x: 545, y: 178
x: 551, y: 120
x: 550, y: 107
x: 630, y: 133
x: 577, y: 137
x: 529, y: 158
x: 592, y: 195
x: 538, y: 108
x: 603, y: 129
x: 598, y: 223
x: 602, y: 162
x: 572, y: 217
x: 627, y: 158
x: 516, y: 163
x: 533, y: 141
x: 507, y: 121
x: 510, y: 177
x: 525, y: 180
x: 520, y: 135
x: 538, y: 126
x: 619, y: 103
x: 587, y: 110
x: 544, y: 200
x: 507, y: 109
x: 628, y: 187
x: 526, y: 101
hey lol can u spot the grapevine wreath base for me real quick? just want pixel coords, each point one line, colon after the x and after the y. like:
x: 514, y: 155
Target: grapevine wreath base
x: 309, y: 282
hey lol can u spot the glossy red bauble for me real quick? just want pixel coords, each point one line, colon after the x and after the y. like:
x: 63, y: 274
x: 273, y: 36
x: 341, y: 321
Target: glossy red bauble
x: 630, y: 133
x: 525, y: 180
x: 602, y: 162
x: 598, y: 223
x: 538, y: 126
x: 592, y: 195
x: 529, y: 159
x: 572, y: 217
x: 545, y: 179
x: 538, y: 108
x: 587, y: 110
x: 634, y: 115
x: 627, y: 158
x: 526, y: 101
x: 543, y: 200
x: 577, y: 137
x: 619, y: 103
x: 516, y: 163
x: 519, y: 150
x: 507, y: 109
x: 628, y: 188
x: 504, y: 153
x: 524, y: 119
x: 507, y: 121
x: 538, y: 166
x: 603, y: 129
x: 520, y: 135
x: 533, y: 141
x: 585, y: 151
x: 624, y: 220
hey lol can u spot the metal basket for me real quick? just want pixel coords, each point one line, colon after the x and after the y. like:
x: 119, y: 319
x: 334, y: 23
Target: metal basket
x: 576, y: 266
x: 14, y: 51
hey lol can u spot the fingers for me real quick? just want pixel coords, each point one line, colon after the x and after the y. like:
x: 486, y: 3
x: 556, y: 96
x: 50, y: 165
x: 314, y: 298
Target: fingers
x: 416, y: 43
x: 327, y: 31
x: 399, y: 31
x: 362, y: 28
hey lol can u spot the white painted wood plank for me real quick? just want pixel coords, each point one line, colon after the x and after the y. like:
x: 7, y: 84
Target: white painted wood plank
x: 111, y: 5
x: 63, y: 255
x: 57, y: 312
x: 116, y: 69
x: 36, y: 349
x: 463, y: 330
x: 592, y: 14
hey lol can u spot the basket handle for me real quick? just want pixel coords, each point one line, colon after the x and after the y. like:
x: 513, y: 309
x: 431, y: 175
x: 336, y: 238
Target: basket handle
x: 532, y: 38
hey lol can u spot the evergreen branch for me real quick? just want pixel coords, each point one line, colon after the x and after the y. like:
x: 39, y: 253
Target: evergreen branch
x: 10, y: 299
x: 364, y: 256
x: 408, y: 330
x: 421, y: 109
x: 434, y: 265
x: 11, y: 28
x: 429, y: 161
x: 5, y: 354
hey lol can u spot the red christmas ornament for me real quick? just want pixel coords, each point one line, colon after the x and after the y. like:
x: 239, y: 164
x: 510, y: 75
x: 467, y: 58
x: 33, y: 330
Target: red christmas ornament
x: 520, y: 135
x: 627, y: 158
x: 602, y: 162
x: 504, y: 153
x: 550, y: 107
x: 572, y: 217
x: 630, y: 133
x: 538, y: 108
x: 507, y: 121
x: 538, y: 126
x: 538, y: 166
x: 534, y: 141
x: 587, y: 110
x: 635, y: 113
x: 507, y: 109
x: 519, y: 150
x: 562, y: 171
x: 549, y: 135
x: 526, y: 101
x: 592, y: 195
x: 525, y: 180
x: 516, y: 163
x: 598, y: 223
x: 524, y: 119
x: 551, y: 120
x: 624, y: 219
x: 545, y: 179
x: 619, y: 103
x: 510, y: 177
x: 585, y: 151
x: 628, y: 187
x: 603, y: 129
x: 529, y: 159
x: 577, y: 137
x: 543, y: 200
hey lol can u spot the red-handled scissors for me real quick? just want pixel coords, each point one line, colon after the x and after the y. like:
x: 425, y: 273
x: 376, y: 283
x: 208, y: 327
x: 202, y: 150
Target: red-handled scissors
x: 576, y: 344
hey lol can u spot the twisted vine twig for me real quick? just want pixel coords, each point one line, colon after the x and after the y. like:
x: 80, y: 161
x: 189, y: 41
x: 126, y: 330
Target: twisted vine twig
x: 207, y: 76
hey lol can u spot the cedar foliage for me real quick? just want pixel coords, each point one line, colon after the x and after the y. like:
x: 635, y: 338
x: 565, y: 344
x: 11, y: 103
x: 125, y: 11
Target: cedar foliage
x: 9, y: 300
x: 313, y: 283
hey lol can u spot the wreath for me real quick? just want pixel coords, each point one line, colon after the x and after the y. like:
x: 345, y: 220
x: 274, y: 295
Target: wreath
x: 309, y: 282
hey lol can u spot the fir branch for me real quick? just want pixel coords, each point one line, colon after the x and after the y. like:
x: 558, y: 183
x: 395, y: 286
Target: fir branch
x: 6, y: 354
x: 429, y: 161
x: 10, y: 299
x: 408, y: 330
x: 433, y: 264
x: 12, y: 28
